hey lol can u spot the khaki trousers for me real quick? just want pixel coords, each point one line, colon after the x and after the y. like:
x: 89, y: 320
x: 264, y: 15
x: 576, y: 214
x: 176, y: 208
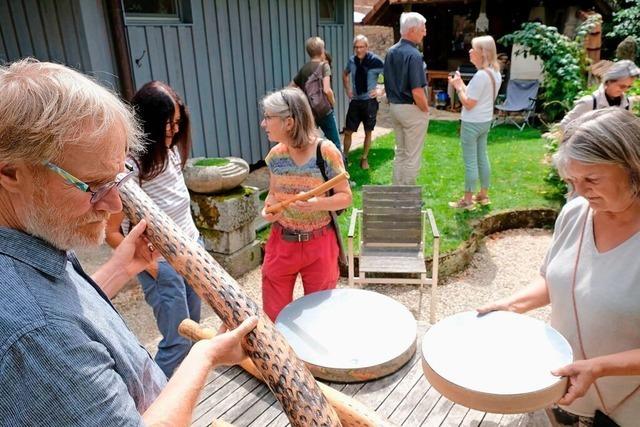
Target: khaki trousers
x: 410, y: 124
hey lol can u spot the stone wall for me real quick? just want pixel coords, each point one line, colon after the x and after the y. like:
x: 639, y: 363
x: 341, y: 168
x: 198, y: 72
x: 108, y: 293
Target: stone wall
x: 380, y: 38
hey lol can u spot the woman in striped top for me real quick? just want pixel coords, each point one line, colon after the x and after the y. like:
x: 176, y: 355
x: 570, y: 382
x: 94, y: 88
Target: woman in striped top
x: 165, y: 121
x: 303, y: 240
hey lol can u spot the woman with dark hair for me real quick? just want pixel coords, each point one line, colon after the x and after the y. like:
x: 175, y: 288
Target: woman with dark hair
x: 165, y: 121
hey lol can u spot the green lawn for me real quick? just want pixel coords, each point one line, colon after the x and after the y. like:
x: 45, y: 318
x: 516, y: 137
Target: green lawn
x: 517, y: 162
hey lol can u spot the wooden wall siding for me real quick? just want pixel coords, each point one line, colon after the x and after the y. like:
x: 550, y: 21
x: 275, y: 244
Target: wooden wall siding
x: 42, y: 29
x: 233, y: 53
x: 338, y: 40
x: 56, y: 31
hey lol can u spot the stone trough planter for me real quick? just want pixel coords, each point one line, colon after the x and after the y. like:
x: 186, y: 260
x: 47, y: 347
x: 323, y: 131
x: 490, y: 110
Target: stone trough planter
x: 214, y: 175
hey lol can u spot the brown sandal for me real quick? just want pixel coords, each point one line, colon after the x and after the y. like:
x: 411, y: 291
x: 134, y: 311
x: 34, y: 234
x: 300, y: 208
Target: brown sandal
x: 462, y: 204
x: 483, y: 201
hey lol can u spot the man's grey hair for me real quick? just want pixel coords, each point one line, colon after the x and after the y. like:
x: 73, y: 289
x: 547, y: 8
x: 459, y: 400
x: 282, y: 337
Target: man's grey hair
x: 606, y: 136
x: 621, y: 70
x: 45, y: 107
x: 292, y: 102
x: 409, y: 20
x: 361, y: 38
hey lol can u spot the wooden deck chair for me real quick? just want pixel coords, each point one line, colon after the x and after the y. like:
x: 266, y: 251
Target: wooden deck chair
x: 392, y: 232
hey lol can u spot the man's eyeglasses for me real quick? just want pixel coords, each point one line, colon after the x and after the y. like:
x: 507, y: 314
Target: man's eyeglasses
x: 99, y: 192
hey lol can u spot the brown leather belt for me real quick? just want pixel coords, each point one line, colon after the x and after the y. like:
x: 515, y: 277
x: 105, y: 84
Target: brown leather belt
x: 301, y: 236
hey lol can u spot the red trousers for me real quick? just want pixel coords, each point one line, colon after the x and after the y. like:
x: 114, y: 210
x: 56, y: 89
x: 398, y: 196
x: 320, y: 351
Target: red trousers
x: 316, y: 260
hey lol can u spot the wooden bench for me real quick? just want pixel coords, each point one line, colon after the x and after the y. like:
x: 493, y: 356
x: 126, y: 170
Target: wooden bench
x: 392, y: 234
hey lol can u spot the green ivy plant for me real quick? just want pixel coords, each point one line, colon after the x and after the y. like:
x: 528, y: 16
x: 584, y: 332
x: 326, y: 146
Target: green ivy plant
x: 626, y: 20
x: 635, y: 91
x: 564, y: 62
x: 557, y: 187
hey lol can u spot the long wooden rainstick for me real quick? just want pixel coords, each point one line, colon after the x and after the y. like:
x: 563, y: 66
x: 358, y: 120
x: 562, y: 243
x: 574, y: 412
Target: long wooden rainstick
x: 320, y: 189
x: 287, y: 377
x: 351, y: 412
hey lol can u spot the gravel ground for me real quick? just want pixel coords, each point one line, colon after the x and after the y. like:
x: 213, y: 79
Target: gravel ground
x: 504, y: 263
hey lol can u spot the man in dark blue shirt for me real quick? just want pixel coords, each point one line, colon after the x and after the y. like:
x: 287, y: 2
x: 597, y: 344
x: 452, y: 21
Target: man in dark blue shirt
x: 405, y: 84
x: 67, y: 357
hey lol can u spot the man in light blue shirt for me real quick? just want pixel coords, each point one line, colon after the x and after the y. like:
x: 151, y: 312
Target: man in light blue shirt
x: 66, y: 355
x: 360, y: 78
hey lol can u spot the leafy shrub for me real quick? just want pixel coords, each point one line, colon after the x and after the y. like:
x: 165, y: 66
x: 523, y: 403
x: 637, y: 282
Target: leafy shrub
x: 635, y: 91
x: 564, y: 62
x: 626, y: 21
x: 557, y: 187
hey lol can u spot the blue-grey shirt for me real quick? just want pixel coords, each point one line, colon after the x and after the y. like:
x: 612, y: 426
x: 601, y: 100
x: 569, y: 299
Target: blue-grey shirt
x: 375, y: 68
x: 66, y: 355
x: 403, y: 71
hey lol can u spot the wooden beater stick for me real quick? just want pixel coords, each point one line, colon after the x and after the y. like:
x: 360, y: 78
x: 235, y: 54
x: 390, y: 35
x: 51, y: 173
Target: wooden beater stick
x: 320, y: 189
x: 351, y: 412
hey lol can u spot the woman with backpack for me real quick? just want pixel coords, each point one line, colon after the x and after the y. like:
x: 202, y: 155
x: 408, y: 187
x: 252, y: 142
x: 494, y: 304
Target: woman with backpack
x: 611, y: 93
x: 314, y: 78
x: 303, y: 240
x: 477, y: 100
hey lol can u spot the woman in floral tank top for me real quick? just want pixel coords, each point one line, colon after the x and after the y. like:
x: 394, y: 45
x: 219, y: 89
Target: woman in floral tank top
x: 303, y: 240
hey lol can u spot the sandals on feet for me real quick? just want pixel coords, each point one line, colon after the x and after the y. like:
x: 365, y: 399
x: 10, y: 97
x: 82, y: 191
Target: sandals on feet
x: 462, y: 204
x: 483, y: 201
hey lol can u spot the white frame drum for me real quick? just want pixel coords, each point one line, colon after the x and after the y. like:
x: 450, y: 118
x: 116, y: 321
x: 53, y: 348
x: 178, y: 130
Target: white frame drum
x: 509, y: 374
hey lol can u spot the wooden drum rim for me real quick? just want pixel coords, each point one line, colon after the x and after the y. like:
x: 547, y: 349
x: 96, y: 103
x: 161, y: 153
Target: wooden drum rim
x: 462, y: 373
x: 498, y: 404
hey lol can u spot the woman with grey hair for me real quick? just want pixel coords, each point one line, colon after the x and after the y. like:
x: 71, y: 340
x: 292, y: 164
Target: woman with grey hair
x: 611, y: 93
x: 590, y: 275
x: 303, y: 239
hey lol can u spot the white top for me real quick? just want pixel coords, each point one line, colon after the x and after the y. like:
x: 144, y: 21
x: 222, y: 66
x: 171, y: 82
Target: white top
x: 481, y: 89
x: 585, y: 104
x: 608, y: 302
x: 169, y: 191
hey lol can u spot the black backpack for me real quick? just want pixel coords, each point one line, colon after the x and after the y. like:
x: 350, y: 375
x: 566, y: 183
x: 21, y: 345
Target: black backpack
x: 320, y: 165
x: 314, y: 89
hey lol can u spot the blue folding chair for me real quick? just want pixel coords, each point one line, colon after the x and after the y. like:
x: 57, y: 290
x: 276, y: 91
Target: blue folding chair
x: 520, y: 104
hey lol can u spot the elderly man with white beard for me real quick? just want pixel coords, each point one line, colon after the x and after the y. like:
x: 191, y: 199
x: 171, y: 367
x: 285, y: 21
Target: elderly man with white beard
x: 66, y: 355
